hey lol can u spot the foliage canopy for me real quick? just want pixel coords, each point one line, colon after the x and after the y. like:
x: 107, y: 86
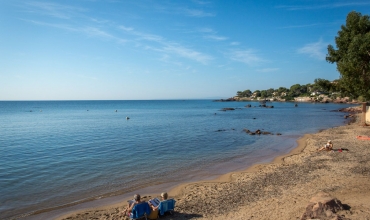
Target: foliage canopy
x: 352, y: 55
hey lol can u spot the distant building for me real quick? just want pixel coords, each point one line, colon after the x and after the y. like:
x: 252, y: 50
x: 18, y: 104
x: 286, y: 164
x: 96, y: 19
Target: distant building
x: 315, y: 93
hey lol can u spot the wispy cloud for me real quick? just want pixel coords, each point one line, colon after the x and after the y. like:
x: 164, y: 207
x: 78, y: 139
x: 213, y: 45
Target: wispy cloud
x: 103, y: 29
x: 54, y: 25
x: 94, y: 31
x: 206, y: 30
x: 196, y: 13
x: 201, y: 2
x: 167, y: 47
x: 88, y: 30
x: 315, y: 50
x: 209, y: 33
x: 188, y: 53
x: 215, y: 37
x: 298, y: 26
x: 141, y: 35
x: 266, y: 70
x: 54, y: 9
x: 248, y: 57
x: 234, y: 43
x: 322, y: 6
x: 179, y: 9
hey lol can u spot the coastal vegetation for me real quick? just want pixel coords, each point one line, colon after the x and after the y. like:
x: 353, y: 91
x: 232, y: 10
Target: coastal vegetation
x: 352, y: 56
x: 316, y: 91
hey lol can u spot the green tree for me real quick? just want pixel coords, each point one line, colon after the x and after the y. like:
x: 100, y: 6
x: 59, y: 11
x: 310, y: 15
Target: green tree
x: 281, y: 90
x: 258, y: 93
x: 352, y: 55
x: 263, y: 94
x: 295, y: 90
x: 270, y: 92
x: 323, y: 85
x: 245, y: 93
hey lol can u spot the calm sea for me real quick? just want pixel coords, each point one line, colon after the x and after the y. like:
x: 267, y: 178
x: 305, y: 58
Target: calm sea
x: 55, y: 153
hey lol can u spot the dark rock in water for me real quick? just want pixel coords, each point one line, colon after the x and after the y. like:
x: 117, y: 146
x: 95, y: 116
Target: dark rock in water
x: 248, y: 106
x: 266, y: 132
x: 252, y: 133
x: 227, y: 109
x: 246, y: 130
x: 271, y: 106
x: 258, y: 131
x: 254, y: 118
x: 323, y: 206
x: 220, y: 130
x: 278, y: 133
x: 296, y: 105
x: 225, y: 100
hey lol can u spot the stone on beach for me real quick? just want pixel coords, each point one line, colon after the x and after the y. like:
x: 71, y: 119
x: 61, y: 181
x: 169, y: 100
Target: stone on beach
x: 323, y: 206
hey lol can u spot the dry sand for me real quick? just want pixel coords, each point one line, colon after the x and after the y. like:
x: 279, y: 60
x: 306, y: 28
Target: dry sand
x: 279, y: 190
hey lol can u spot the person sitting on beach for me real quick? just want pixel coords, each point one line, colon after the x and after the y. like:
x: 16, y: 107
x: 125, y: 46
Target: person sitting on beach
x: 328, y: 146
x: 131, y: 204
x: 164, y: 196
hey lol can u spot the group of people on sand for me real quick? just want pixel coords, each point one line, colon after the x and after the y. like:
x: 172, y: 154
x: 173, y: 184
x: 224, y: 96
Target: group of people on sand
x: 137, y: 200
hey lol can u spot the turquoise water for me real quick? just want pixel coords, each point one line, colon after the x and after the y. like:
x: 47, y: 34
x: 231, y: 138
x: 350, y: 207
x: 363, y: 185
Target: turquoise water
x: 61, y: 152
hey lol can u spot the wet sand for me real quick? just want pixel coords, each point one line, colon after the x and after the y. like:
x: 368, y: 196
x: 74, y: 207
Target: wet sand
x: 278, y: 190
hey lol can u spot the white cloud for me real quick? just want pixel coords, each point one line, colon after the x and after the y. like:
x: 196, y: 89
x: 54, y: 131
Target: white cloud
x: 315, y: 50
x: 234, y: 43
x: 248, y: 57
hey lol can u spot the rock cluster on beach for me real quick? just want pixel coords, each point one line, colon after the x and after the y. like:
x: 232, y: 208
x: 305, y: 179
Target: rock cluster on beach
x: 324, y: 206
x: 305, y: 184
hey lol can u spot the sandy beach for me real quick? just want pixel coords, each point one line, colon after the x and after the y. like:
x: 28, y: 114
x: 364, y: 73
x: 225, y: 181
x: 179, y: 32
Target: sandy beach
x: 278, y: 190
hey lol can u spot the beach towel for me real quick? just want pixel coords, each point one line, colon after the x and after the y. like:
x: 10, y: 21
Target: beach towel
x: 363, y: 137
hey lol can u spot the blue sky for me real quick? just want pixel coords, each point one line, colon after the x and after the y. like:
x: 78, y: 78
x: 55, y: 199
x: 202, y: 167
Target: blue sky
x: 144, y: 49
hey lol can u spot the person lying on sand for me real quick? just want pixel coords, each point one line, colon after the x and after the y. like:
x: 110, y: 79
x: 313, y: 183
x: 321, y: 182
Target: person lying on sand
x: 328, y: 146
x: 131, y: 204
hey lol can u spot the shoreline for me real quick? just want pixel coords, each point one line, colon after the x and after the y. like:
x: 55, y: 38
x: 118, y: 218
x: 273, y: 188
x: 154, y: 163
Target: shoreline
x: 174, y: 191
x: 280, y: 189
x: 93, y: 204
x: 183, y: 191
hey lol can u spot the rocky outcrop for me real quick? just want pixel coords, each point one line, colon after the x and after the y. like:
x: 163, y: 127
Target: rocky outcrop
x: 355, y: 109
x: 323, y: 206
x: 226, y: 100
x: 258, y: 131
x: 227, y: 109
